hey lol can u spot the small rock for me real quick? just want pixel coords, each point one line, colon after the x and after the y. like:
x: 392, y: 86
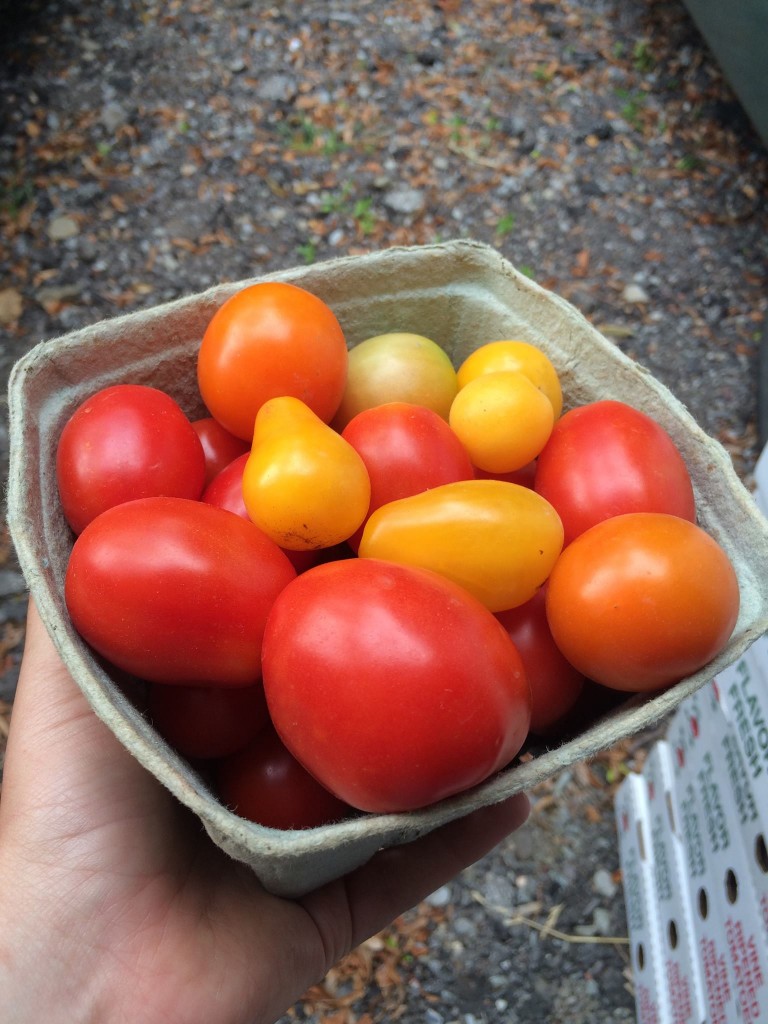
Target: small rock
x: 63, y: 227
x: 113, y: 115
x: 603, y: 883
x: 635, y: 294
x: 11, y: 305
x: 278, y: 87
x: 405, y: 200
x: 440, y: 897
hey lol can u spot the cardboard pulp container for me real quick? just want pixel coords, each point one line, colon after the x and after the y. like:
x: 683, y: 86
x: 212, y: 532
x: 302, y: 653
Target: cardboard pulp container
x: 461, y: 294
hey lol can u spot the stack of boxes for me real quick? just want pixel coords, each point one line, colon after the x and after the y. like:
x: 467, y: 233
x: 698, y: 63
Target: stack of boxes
x: 693, y: 848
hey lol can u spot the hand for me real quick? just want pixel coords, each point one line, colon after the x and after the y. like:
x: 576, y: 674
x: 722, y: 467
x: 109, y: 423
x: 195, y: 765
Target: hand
x: 116, y: 907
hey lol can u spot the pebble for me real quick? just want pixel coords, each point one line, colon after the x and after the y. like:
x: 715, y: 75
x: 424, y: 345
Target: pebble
x: 635, y: 294
x: 63, y: 227
x: 440, y: 897
x: 405, y: 200
x: 603, y: 883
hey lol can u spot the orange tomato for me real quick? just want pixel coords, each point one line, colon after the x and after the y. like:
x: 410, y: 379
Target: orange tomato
x: 642, y: 600
x: 271, y: 339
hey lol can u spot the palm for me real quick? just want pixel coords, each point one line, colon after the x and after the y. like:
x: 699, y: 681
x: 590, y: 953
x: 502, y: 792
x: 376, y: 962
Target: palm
x: 137, y: 899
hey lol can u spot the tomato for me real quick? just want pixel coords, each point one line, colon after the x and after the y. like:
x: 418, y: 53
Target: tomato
x: 219, y: 446
x: 267, y: 340
x: 406, y: 449
x: 203, y: 722
x: 175, y: 591
x: 502, y: 419
x: 555, y: 683
x: 642, y: 600
x: 398, y: 367
x: 126, y: 441
x: 226, y: 491
x: 523, y: 476
x: 520, y: 356
x: 605, y: 459
x: 498, y: 540
x: 393, y: 686
x: 265, y: 783
x: 303, y: 484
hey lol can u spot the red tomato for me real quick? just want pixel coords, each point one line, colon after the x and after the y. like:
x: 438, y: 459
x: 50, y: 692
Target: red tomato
x: 392, y: 685
x: 642, y: 600
x: 525, y: 476
x: 406, y: 449
x: 266, y: 784
x: 202, y: 722
x: 175, y: 591
x: 226, y: 491
x: 555, y: 683
x: 127, y: 441
x: 606, y: 459
x: 268, y: 340
x: 219, y: 446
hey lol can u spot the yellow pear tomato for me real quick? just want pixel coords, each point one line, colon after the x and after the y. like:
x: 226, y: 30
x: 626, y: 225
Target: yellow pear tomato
x: 303, y: 484
x: 496, y: 539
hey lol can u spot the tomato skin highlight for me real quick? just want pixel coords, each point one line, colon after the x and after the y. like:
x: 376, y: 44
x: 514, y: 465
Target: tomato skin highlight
x: 391, y: 685
x: 606, y: 459
x: 204, y: 722
x: 496, y: 539
x: 267, y: 340
x: 126, y: 441
x: 555, y: 684
x: 265, y: 783
x: 642, y: 600
x: 175, y: 591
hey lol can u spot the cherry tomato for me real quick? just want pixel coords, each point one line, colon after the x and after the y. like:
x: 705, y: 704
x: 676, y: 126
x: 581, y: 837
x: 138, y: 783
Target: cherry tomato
x: 126, y: 441
x: 516, y: 355
x: 219, y: 446
x: 175, y: 591
x: 406, y: 449
x: 265, y: 783
x: 524, y: 476
x: 605, y: 459
x: 203, y: 722
x: 226, y: 491
x: 399, y: 367
x: 267, y: 340
x: 496, y: 539
x: 555, y: 683
x: 393, y: 686
x: 303, y: 484
x: 642, y: 600
x: 502, y: 419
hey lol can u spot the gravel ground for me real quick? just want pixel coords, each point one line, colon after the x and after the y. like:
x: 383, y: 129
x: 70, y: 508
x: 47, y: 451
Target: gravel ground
x: 150, y: 150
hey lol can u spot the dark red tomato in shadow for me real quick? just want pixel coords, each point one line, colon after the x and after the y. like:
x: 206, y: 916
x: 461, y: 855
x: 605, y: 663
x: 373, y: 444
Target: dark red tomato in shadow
x: 555, y: 683
x: 202, y: 722
x: 226, y: 491
x: 524, y: 477
x: 266, y: 784
x: 126, y: 442
x: 606, y: 459
x: 406, y: 449
x: 219, y: 446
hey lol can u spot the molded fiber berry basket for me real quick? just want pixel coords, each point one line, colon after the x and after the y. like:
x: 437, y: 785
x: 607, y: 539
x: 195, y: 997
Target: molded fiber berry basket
x: 461, y: 294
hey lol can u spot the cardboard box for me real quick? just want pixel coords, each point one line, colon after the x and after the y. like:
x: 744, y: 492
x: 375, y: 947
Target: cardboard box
x: 643, y: 919
x: 461, y: 294
x: 678, y: 949
x: 724, y: 893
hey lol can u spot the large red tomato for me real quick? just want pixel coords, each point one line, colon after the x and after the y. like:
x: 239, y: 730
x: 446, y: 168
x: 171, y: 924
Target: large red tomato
x: 392, y: 685
x: 268, y: 340
x: 175, y: 591
x: 642, y: 600
x: 406, y: 449
x: 555, y: 683
x: 265, y: 783
x: 126, y: 441
x: 605, y: 459
x: 202, y: 722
